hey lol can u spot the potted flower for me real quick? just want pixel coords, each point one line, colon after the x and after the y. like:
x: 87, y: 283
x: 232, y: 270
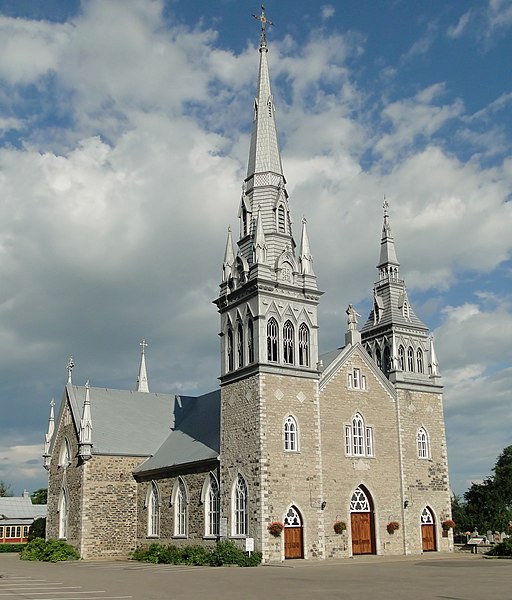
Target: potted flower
x: 275, y: 528
x: 339, y: 526
x: 393, y: 526
x: 448, y: 524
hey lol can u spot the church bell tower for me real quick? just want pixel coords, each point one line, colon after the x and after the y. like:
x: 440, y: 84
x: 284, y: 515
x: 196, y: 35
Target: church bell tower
x: 269, y: 344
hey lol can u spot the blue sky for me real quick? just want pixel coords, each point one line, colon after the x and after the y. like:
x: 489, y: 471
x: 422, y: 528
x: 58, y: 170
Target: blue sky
x: 124, y: 131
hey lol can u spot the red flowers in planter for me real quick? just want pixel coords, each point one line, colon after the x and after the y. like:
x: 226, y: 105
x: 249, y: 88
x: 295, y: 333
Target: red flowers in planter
x: 393, y: 526
x: 339, y: 526
x: 448, y: 524
x: 275, y: 528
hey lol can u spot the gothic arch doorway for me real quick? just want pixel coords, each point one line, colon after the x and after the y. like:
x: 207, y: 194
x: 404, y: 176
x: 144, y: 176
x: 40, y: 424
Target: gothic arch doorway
x: 428, y: 530
x: 293, y: 534
x: 362, y: 522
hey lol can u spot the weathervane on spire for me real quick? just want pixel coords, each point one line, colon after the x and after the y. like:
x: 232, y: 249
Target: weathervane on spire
x: 264, y: 22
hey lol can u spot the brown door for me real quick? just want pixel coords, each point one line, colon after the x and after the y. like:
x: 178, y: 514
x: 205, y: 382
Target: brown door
x: 293, y: 542
x: 428, y: 540
x: 362, y: 538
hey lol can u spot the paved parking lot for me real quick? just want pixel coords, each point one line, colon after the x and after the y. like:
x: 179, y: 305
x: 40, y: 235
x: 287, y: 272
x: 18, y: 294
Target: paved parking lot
x: 431, y: 577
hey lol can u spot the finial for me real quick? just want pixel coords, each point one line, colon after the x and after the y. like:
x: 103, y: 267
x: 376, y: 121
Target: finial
x: 385, y: 206
x: 143, y: 345
x: 52, y: 402
x: 71, y: 364
x: 304, y: 221
x: 264, y: 22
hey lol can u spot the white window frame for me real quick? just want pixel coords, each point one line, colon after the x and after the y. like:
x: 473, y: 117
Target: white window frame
x: 180, y: 503
x: 291, y: 434
x: 356, y: 380
x: 211, y: 499
x: 239, y: 508
x: 153, y: 506
x: 423, y: 443
x: 63, y: 514
x: 358, y: 438
x: 65, y: 453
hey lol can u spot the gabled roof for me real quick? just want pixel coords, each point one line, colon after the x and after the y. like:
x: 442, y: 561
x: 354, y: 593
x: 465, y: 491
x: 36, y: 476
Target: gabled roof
x: 12, y: 508
x: 195, y: 436
x: 124, y: 422
x: 333, y: 361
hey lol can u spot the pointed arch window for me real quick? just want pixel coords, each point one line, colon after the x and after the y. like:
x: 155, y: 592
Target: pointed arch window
x: 359, y: 501
x: 405, y: 310
x: 378, y: 358
x: 419, y: 360
x: 288, y: 342
x: 230, y: 350
x: 387, y: 360
x: 272, y: 340
x: 281, y: 219
x: 180, y: 508
x: 410, y: 359
x: 65, y: 453
x: 401, y: 357
x: 153, y: 504
x: 63, y: 514
x: 240, y: 508
x: 291, y: 435
x: 304, y: 345
x: 245, y: 227
x: 250, y: 341
x: 426, y: 517
x: 423, y: 443
x: 240, y: 345
x: 212, y: 506
x: 358, y: 437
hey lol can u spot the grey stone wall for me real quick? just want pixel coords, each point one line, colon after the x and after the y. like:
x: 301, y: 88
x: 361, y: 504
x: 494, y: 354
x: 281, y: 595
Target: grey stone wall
x: 194, y: 482
x: 425, y: 480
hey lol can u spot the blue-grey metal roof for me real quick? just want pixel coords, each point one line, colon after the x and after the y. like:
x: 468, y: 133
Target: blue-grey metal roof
x: 20, y: 508
x: 125, y: 422
x: 195, y: 436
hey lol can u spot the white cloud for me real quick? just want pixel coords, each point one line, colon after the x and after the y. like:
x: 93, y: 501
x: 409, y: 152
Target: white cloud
x: 327, y: 11
x: 460, y: 28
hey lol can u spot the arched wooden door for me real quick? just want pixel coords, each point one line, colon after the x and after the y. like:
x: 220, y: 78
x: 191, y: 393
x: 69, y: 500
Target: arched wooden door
x: 428, y: 531
x: 293, y: 538
x: 362, y: 522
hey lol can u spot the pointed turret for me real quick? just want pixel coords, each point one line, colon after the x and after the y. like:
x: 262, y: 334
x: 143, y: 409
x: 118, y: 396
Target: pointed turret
x: 49, y: 435
x: 85, y: 432
x: 260, y: 247
x: 142, y: 379
x: 433, y: 365
x: 306, y: 258
x: 393, y: 335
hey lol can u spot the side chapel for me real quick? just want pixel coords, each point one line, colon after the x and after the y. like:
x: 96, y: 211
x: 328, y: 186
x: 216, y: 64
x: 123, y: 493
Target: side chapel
x: 355, y: 436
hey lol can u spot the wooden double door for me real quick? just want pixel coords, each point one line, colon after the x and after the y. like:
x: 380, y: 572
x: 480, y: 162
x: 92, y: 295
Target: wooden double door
x: 293, y: 542
x: 363, y: 538
x: 428, y: 538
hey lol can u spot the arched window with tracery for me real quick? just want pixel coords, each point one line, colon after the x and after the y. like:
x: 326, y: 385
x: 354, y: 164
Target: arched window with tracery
x: 358, y: 437
x: 212, y: 506
x: 303, y: 345
x: 378, y: 358
x: 240, y: 345
x: 419, y: 360
x: 410, y: 359
x: 240, y: 508
x: 153, y: 505
x: 401, y: 357
x: 230, y: 350
x: 63, y: 514
x: 423, y: 443
x: 291, y: 441
x: 272, y: 340
x: 180, y: 508
x: 65, y: 453
x: 250, y: 341
x: 288, y: 335
x: 359, y: 501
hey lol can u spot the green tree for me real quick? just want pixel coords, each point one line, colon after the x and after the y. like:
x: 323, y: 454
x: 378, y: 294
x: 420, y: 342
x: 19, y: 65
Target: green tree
x: 5, y: 489
x: 39, y: 496
x: 37, y: 529
x: 459, y: 515
x: 488, y: 505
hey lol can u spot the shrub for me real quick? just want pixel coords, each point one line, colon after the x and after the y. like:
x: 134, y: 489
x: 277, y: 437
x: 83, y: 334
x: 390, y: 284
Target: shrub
x: 224, y: 553
x: 504, y: 548
x: 37, y: 529
x: 48, y: 551
x: 11, y: 547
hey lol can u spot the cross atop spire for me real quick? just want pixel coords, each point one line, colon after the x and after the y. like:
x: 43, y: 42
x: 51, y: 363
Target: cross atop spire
x: 70, y: 366
x: 264, y: 22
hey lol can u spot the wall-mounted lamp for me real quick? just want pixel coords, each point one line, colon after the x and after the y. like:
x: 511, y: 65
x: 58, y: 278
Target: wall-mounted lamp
x: 323, y: 505
x: 406, y: 503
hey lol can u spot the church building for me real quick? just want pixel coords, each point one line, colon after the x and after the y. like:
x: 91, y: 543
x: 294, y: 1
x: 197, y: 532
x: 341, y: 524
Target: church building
x: 347, y: 450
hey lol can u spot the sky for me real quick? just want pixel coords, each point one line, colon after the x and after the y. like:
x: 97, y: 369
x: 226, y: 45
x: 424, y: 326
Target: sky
x: 124, y: 138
